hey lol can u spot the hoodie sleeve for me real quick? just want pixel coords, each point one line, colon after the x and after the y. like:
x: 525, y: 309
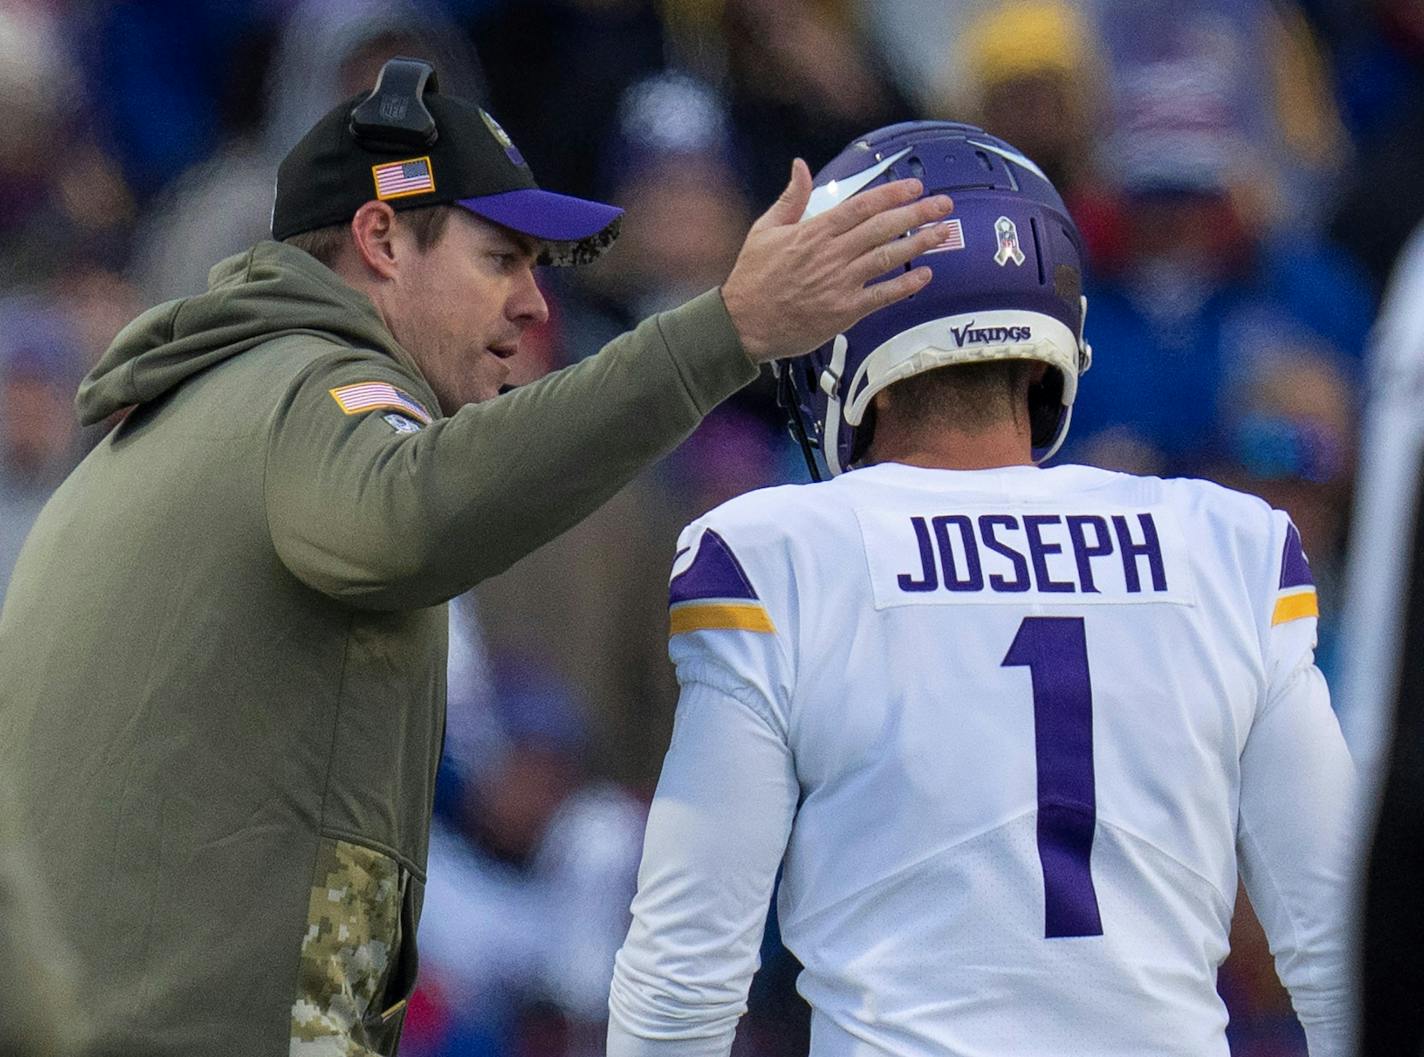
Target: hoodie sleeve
x: 368, y: 503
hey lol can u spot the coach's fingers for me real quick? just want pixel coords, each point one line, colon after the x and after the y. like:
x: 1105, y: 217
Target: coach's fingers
x: 895, y: 254
x: 859, y: 208
x: 787, y: 209
x: 880, y: 295
x: 893, y: 223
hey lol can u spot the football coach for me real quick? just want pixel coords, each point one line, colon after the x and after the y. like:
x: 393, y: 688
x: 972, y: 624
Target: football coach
x: 222, y: 653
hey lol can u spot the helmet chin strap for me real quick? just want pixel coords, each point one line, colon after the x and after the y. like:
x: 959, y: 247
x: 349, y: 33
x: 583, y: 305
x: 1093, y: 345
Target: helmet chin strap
x: 1085, y: 351
x: 787, y: 399
x: 831, y: 386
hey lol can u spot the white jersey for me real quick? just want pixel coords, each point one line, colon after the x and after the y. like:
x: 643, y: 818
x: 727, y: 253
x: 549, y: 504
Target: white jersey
x: 1010, y: 734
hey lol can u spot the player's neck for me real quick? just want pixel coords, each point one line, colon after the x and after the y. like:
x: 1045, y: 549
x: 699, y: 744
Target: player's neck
x: 947, y: 449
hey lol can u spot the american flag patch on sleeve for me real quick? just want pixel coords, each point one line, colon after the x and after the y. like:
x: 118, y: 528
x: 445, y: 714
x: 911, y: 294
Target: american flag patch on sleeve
x: 397, y: 179
x: 374, y: 396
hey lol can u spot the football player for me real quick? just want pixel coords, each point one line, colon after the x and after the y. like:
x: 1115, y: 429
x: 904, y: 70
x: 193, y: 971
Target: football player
x: 1009, y: 732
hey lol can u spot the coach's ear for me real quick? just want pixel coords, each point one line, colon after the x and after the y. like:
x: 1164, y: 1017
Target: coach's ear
x: 374, y: 233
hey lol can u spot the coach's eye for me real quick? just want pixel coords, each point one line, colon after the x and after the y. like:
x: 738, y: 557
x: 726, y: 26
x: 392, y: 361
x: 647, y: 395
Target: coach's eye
x: 506, y: 261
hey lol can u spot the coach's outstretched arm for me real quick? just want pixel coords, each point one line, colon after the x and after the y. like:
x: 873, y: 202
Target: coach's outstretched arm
x: 397, y: 522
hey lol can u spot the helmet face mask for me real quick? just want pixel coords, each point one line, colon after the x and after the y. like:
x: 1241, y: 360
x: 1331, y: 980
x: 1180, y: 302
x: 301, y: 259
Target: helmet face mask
x: 1007, y: 285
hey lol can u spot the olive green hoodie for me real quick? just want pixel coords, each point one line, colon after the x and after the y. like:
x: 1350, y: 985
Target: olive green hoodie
x: 222, y: 654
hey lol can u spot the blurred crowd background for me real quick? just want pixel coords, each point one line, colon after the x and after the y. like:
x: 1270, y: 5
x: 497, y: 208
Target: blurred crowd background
x: 1245, y: 173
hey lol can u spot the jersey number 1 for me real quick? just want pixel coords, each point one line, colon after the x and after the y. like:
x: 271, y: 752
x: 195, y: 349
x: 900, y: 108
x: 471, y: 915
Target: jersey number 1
x: 1055, y: 652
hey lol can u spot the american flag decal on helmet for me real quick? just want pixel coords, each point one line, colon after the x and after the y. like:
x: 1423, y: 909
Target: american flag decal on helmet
x: 397, y: 179
x: 953, y: 235
x: 373, y: 396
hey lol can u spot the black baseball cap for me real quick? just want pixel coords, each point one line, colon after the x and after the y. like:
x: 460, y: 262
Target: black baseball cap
x: 405, y: 144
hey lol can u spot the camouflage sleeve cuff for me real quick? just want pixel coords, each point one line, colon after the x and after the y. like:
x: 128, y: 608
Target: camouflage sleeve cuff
x: 705, y: 349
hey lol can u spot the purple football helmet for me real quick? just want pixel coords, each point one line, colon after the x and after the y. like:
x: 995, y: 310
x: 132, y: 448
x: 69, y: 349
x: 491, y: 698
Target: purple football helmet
x: 1007, y: 285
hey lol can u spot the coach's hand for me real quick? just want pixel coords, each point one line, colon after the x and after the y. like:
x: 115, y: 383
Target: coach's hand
x: 795, y: 286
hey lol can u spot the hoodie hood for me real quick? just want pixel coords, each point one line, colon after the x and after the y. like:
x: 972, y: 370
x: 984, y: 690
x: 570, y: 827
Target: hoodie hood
x: 270, y: 291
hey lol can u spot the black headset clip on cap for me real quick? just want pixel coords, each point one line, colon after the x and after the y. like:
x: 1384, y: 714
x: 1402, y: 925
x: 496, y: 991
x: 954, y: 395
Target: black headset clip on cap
x: 394, y: 116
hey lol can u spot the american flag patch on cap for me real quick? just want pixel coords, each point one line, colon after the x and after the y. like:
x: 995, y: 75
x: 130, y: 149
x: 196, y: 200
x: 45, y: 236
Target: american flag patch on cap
x: 397, y: 179
x: 373, y: 396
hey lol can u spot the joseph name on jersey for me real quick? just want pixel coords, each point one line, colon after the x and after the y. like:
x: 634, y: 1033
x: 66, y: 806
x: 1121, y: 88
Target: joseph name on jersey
x: 1010, y: 734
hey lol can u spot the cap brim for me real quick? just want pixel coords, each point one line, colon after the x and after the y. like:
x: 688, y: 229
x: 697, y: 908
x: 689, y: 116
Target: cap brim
x: 574, y: 230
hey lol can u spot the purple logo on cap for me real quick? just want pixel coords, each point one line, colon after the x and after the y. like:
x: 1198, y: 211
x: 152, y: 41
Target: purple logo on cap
x: 510, y: 150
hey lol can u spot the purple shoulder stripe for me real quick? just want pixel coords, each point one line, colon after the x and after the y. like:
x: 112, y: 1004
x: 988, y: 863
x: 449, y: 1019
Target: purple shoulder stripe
x: 714, y: 573
x: 1295, y: 570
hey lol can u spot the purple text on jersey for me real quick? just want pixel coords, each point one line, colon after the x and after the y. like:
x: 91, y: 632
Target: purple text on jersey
x: 950, y: 547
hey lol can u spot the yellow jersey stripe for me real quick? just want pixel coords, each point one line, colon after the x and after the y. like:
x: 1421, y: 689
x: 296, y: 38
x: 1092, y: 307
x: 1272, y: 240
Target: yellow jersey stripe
x: 720, y: 616
x: 1293, y: 607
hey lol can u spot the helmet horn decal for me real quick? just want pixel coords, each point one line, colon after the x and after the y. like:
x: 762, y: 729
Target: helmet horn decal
x: 837, y: 191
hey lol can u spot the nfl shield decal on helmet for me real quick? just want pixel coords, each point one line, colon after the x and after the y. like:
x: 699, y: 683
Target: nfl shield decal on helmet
x: 1007, y: 234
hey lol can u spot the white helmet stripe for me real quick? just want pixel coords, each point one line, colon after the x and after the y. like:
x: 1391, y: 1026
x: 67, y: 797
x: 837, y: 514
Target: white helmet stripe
x: 1013, y: 156
x: 837, y: 191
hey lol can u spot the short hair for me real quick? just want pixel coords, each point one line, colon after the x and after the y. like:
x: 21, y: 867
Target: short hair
x: 969, y: 396
x: 427, y: 223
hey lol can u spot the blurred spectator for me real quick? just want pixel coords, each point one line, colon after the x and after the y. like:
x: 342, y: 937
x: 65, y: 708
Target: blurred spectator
x: 595, y: 600
x: 1241, y: 86
x: 1385, y: 197
x: 154, y: 72
x: 735, y: 450
x: 803, y: 82
x: 60, y: 196
x: 530, y: 880
x: 671, y: 161
x: 39, y: 369
x: 593, y: 604
x: 326, y: 51
x: 1205, y: 281
x: 557, y: 70
x: 1288, y: 437
x: 1033, y: 72
x: 920, y: 41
